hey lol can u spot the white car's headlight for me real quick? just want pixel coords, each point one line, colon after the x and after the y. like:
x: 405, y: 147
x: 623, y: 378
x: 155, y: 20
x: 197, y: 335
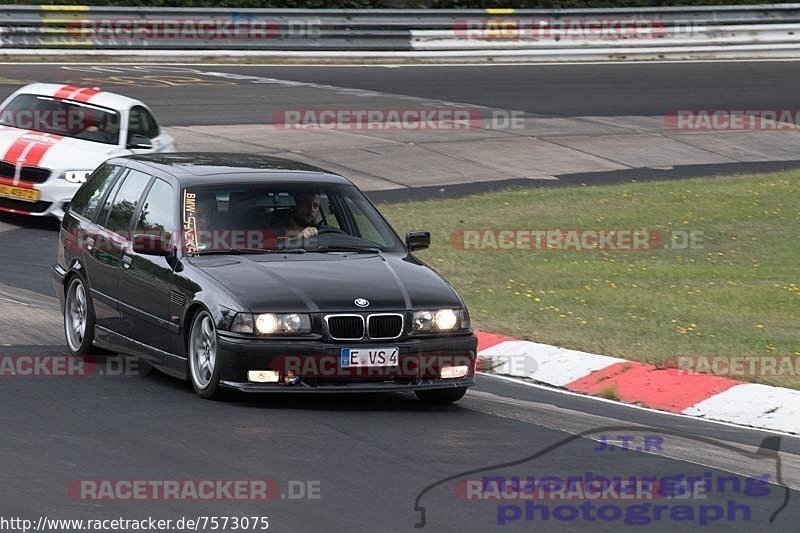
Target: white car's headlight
x: 272, y: 323
x: 440, y: 320
x: 76, y: 176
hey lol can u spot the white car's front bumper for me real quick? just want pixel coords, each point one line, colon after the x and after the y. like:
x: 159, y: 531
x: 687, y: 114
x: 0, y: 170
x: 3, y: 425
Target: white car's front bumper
x: 54, y: 195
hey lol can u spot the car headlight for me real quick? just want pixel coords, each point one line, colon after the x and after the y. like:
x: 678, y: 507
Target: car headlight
x: 272, y: 323
x: 243, y: 323
x: 440, y: 320
x: 76, y: 176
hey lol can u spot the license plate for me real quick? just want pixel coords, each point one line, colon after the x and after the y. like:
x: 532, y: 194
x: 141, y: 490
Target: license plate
x: 369, y: 356
x: 19, y: 193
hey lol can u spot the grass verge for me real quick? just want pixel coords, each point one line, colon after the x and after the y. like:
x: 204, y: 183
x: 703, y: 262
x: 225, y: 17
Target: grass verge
x: 738, y: 293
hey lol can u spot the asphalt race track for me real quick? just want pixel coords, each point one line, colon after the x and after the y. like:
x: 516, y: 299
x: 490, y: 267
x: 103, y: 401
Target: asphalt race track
x: 541, y: 90
x: 375, y: 462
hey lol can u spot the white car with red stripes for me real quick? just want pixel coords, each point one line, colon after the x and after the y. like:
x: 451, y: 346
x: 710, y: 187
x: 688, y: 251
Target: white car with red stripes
x: 53, y: 136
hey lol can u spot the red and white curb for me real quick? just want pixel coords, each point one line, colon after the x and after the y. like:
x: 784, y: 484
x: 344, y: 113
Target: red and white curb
x: 667, y: 389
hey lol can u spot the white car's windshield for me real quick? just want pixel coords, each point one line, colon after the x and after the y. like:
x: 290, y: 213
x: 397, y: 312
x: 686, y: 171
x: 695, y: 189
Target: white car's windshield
x: 62, y: 117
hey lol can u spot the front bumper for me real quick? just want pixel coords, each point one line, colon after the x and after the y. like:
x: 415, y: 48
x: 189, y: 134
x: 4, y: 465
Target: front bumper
x: 54, y: 195
x: 318, y: 366
x: 364, y: 388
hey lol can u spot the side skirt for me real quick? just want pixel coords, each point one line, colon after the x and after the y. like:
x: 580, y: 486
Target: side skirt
x: 168, y: 363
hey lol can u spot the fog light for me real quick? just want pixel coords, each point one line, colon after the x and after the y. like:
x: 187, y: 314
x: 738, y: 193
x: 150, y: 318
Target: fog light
x: 291, y: 378
x: 451, y: 372
x: 264, y: 376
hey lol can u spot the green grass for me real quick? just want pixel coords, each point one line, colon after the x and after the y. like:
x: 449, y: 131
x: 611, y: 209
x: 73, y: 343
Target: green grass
x: 738, y: 295
x: 609, y: 393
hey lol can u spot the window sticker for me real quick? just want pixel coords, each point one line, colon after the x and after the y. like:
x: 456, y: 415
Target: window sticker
x: 190, y: 223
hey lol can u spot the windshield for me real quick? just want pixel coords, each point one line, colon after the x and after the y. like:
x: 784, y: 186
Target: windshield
x: 281, y: 217
x: 62, y: 117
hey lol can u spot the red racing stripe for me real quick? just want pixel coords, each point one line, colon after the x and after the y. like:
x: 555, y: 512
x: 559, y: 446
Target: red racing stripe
x: 35, y: 154
x: 85, y: 94
x: 30, y: 151
x: 65, y: 91
x: 15, y: 150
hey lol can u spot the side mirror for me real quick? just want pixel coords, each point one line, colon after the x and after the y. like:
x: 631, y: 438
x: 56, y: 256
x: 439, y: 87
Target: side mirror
x: 139, y: 142
x: 152, y: 244
x: 418, y: 240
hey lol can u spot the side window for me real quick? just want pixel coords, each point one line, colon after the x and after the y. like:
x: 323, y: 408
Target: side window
x: 326, y: 209
x: 158, y: 209
x: 109, y: 201
x: 141, y: 122
x: 87, y: 200
x: 126, y: 200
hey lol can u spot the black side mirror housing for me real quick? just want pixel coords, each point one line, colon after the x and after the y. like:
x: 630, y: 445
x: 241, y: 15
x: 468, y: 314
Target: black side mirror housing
x: 418, y: 240
x: 139, y: 142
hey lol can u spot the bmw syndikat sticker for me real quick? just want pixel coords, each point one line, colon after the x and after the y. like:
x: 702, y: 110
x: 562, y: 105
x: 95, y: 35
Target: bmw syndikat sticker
x: 189, y: 222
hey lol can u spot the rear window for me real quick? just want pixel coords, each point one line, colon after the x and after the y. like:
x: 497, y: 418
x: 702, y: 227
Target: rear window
x: 62, y: 117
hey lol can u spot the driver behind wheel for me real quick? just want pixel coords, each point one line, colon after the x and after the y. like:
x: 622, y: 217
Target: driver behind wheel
x: 302, y: 221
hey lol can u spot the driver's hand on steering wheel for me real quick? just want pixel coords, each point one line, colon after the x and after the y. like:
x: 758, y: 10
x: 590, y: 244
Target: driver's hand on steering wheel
x: 308, y: 232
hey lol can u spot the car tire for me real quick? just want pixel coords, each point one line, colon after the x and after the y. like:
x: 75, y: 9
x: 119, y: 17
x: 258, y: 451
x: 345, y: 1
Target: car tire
x: 79, y: 318
x: 202, y: 357
x: 441, y: 396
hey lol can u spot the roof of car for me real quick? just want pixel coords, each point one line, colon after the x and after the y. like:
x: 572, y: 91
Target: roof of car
x: 199, y: 168
x: 75, y: 93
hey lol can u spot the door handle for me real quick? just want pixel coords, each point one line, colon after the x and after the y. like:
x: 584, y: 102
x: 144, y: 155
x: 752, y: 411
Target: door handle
x: 126, y: 261
x: 88, y: 242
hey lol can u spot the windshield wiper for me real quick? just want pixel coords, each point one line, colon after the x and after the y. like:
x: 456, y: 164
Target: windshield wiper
x: 236, y: 251
x: 356, y: 249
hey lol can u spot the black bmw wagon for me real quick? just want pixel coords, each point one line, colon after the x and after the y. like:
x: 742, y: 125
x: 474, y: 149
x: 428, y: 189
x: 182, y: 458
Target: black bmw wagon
x: 257, y: 274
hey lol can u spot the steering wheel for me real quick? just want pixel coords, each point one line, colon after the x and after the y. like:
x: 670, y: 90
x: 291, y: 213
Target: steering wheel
x: 329, y: 229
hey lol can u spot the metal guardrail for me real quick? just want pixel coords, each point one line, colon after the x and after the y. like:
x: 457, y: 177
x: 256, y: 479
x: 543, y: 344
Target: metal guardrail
x: 758, y: 30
